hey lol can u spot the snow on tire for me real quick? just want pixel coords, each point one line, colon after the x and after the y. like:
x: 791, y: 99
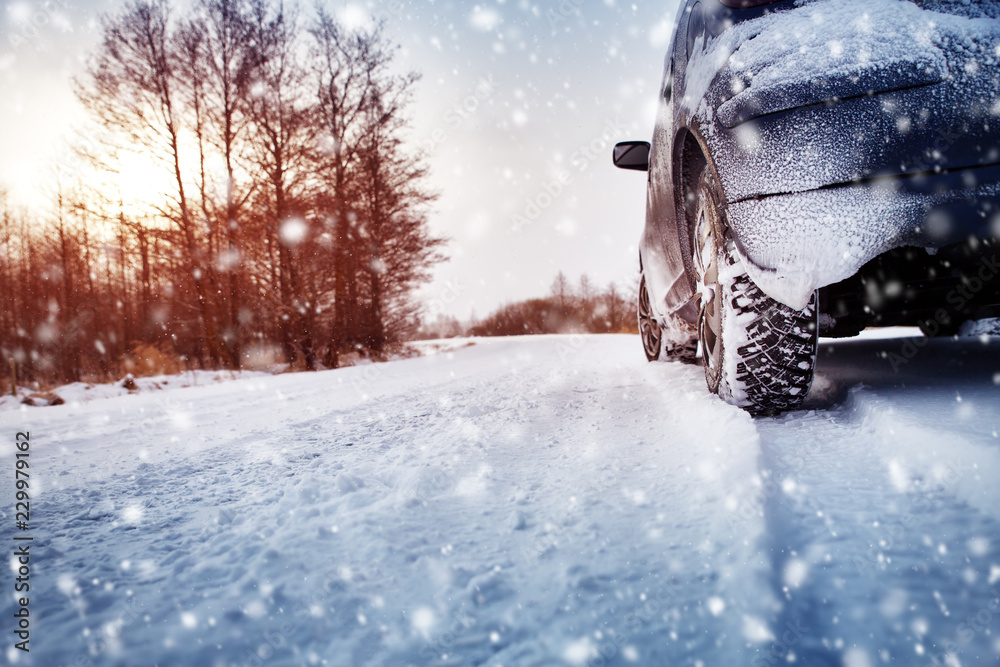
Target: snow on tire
x: 771, y: 359
x: 760, y: 355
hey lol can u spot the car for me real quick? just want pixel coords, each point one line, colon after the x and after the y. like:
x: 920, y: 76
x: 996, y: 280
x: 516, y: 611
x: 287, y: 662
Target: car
x: 817, y: 167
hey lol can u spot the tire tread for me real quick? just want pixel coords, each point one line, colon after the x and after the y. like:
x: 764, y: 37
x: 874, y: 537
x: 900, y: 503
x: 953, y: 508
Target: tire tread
x: 776, y: 367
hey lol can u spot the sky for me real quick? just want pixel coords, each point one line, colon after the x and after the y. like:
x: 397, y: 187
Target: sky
x: 518, y: 108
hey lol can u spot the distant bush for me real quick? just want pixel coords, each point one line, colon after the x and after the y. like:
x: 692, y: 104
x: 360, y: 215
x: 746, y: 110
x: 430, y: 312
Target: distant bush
x: 565, y: 310
x: 146, y: 360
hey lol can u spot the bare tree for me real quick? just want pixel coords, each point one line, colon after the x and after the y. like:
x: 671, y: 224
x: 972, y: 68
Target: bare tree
x: 358, y: 93
x: 291, y: 211
x: 283, y: 136
x: 133, y: 89
x: 561, y: 290
x: 233, y: 58
x: 395, y: 248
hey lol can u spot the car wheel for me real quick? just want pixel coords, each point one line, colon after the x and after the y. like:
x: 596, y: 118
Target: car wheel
x: 759, y: 354
x: 649, y: 328
x: 663, y: 342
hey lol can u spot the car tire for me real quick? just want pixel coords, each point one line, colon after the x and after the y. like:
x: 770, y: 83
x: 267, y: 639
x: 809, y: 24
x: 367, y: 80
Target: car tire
x: 661, y: 342
x: 758, y: 353
x: 649, y: 328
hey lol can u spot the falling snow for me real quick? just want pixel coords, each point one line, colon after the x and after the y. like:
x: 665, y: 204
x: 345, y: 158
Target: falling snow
x: 546, y: 500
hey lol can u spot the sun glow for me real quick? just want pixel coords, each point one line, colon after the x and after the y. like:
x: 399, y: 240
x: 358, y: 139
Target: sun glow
x: 141, y: 183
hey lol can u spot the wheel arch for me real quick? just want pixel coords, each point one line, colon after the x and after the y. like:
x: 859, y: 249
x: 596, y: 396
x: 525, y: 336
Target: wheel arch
x: 690, y: 159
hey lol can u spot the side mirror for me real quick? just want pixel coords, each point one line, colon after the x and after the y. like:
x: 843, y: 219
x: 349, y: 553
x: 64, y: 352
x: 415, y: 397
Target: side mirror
x: 632, y: 155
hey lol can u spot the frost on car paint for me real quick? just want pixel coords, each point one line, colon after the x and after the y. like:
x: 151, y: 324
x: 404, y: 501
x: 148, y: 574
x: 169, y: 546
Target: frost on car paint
x: 833, y: 51
x: 842, y: 49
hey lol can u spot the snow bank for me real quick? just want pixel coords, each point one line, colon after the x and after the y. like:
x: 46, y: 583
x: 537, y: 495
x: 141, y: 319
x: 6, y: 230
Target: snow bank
x: 83, y: 392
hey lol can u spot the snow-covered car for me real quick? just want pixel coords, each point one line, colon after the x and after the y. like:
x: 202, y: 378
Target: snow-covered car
x: 817, y: 167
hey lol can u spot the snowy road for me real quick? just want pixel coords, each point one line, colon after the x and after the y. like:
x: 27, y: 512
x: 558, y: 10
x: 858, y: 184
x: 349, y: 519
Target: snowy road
x: 537, y: 501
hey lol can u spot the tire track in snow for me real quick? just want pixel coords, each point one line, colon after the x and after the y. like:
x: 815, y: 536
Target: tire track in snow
x: 883, y: 519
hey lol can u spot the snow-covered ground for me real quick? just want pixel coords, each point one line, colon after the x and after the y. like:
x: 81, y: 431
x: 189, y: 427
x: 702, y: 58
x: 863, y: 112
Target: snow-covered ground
x: 523, y: 501
x: 83, y: 392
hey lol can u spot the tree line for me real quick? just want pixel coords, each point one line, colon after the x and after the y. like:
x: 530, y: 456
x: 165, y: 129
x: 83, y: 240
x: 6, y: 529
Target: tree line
x: 283, y: 219
x: 568, y: 308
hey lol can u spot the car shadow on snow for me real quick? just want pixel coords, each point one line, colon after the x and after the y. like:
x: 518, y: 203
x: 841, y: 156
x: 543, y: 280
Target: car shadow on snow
x: 902, y: 363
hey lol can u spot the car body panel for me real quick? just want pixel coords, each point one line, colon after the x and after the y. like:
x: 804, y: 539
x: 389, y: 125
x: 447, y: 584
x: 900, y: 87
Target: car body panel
x: 857, y: 154
x: 799, y: 242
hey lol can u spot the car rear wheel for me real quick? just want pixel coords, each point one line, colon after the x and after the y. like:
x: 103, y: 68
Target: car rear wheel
x: 649, y: 328
x: 759, y: 354
x: 671, y: 342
